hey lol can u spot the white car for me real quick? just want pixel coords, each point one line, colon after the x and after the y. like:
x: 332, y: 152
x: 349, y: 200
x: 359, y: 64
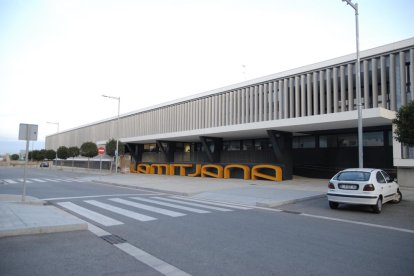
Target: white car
x: 363, y: 186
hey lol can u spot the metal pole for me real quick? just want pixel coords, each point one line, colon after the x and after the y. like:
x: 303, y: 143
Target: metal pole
x: 117, y: 139
x: 358, y: 88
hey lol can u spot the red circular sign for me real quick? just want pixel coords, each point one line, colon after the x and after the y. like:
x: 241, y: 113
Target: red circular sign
x: 101, y: 150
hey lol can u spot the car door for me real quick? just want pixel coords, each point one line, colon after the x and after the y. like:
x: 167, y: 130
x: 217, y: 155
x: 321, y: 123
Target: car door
x: 392, y: 186
x: 384, y: 186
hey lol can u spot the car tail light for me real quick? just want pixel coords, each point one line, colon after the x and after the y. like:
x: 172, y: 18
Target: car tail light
x: 369, y: 188
x: 331, y: 185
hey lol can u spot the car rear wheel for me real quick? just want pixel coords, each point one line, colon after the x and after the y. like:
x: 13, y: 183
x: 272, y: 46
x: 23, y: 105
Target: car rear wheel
x: 378, y: 207
x: 333, y: 205
x: 398, y: 197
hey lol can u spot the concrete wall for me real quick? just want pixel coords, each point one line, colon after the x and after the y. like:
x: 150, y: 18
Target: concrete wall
x: 406, y: 176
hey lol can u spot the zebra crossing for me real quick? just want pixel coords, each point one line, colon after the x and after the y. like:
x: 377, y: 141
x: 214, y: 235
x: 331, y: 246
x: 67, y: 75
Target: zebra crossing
x: 44, y: 180
x: 111, y: 211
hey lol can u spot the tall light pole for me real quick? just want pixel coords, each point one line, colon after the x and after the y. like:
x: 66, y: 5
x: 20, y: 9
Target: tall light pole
x: 57, y: 133
x: 358, y: 88
x: 117, y: 130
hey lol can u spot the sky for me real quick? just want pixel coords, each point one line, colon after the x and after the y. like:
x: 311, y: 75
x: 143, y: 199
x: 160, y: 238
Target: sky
x: 58, y: 57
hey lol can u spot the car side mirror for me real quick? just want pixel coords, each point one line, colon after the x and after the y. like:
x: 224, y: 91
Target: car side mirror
x: 395, y: 180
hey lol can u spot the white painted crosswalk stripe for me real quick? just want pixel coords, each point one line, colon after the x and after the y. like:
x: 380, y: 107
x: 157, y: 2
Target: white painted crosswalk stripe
x: 213, y: 203
x: 193, y: 204
x: 51, y: 180
x: 194, y: 210
x: 37, y: 180
x: 10, y: 181
x: 99, y: 218
x: 120, y: 211
x: 22, y: 180
x: 148, y: 208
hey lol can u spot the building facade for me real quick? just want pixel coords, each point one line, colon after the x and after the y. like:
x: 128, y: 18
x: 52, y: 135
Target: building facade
x: 303, y: 120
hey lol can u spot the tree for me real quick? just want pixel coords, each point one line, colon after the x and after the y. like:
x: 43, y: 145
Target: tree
x: 89, y: 149
x: 50, y: 154
x: 73, y: 151
x: 110, y: 147
x: 404, y: 122
x: 14, y: 157
x: 62, y: 153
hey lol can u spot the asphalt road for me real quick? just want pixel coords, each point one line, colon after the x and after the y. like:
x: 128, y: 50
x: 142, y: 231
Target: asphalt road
x: 306, y: 238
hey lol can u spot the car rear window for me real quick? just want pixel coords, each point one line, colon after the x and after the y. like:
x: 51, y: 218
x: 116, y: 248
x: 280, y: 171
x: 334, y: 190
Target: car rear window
x: 353, y: 176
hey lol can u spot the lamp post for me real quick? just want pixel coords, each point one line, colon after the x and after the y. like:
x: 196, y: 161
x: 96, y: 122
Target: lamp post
x: 358, y: 88
x: 56, y: 123
x: 117, y: 130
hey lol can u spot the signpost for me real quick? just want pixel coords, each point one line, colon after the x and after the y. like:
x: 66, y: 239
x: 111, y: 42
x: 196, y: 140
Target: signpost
x: 29, y: 133
x: 101, y: 151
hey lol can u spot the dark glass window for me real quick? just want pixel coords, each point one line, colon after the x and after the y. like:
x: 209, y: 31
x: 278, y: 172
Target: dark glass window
x: 304, y: 142
x: 231, y: 145
x: 247, y: 145
x: 347, y: 140
x: 150, y: 148
x: 380, y: 178
x: 353, y: 176
x: 262, y: 144
x: 373, y: 139
x: 328, y: 141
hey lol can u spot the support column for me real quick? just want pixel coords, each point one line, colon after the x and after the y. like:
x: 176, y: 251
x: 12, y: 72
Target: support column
x: 342, y: 81
x: 393, y: 92
x: 291, y: 99
x: 403, y: 85
x: 297, y: 98
x: 322, y: 92
x: 350, y: 87
x: 328, y: 92
x: 335, y: 90
x: 302, y: 96
x: 367, y: 100
x: 383, y: 82
x: 309, y: 94
x: 282, y: 149
x: 167, y: 148
x: 315, y: 94
x: 374, y: 83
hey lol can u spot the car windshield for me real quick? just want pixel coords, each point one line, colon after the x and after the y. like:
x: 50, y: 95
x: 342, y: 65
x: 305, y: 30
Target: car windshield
x: 353, y: 176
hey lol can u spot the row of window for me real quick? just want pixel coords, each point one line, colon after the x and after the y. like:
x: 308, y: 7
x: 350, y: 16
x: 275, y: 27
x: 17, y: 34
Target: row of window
x: 371, y: 139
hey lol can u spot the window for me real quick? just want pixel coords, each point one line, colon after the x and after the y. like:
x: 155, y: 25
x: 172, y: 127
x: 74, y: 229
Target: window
x: 386, y: 176
x: 353, y: 176
x: 347, y: 140
x: 304, y: 142
x: 150, y: 148
x: 247, y: 145
x: 328, y: 141
x: 380, y: 178
x: 262, y: 144
x: 231, y: 145
x: 373, y: 139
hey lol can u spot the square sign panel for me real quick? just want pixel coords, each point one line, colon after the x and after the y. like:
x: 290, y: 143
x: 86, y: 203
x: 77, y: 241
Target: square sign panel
x: 28, y: 132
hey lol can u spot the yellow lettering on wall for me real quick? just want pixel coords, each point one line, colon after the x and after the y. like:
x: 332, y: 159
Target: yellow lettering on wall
x: 182, y: 168
x: 277, y: 170
x: 144, y: 168
x: 133, y: 168
x: 245, y: 168
x: 197, y: 171
x: 159, y: 168
x: 205, y: 172
x: 211, y: 170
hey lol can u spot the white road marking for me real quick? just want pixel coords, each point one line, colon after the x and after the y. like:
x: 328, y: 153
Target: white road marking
x: 22, y: 180
x: 97, y: 231
x: 51, y: 180
x: 194, y: 210
x: 214, y: 203
x: 194, y: 204
x: 146, y: 258
x: 96, y: 196
x: 37, y: 180
x: 360, y: 223
x: 10, y: 181
x: 148, y: 208
x: 120, y: 211
x: 99, y: 218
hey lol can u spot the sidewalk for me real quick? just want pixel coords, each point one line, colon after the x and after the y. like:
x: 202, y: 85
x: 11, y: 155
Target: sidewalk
x: 32, y: 217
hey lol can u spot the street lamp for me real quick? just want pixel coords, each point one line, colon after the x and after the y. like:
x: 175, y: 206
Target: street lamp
x: 55, y: 123
x: 358, y: 88
x: 117, y: 130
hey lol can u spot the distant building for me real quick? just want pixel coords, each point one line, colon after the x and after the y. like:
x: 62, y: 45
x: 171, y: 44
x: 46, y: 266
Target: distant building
x: 304, y: 119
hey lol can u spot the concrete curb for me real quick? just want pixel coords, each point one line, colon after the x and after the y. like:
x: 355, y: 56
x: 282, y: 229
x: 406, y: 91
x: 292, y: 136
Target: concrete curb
x: 43, y: 230
x: 280, y: 203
